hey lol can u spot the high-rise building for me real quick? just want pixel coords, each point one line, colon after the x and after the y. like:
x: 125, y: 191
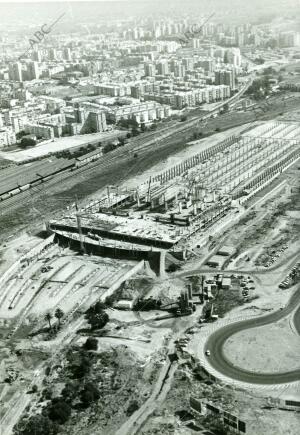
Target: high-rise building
x: 208, y: 64
x: 15, y: 72
x: 188, y: 62
x: 225, y: 77
x: 96, y: 121
x: 233, y: 57
x: 32, y: 71
x: 289, y: 39
x: 163, y: 68
x: 37, y: 56
x: 18, y: 122
x: 179, y: 70
x: 67, y: 53
x: 52, y: 54
x: 150, y: 69
x: 196, y: 43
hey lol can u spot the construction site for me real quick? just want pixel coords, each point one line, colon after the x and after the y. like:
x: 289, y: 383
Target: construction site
x: 177, y: 211
x: 171, y: 261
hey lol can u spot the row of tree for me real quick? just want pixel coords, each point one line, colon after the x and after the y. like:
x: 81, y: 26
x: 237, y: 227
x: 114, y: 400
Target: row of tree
x: 260, y: 88
x: 59, y: 314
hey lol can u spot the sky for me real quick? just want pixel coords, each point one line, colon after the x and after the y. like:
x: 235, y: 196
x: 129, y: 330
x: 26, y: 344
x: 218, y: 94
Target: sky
x: 27, y: 11
x: 58, y: 1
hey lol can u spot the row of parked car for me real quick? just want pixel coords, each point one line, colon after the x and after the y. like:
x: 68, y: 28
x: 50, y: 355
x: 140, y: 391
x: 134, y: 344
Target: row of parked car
x: 291, y: 278
x: 246, y: 284
x: 274, y: 255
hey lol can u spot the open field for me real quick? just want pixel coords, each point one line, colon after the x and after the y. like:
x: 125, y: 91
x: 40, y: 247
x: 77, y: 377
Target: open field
x: 58, y: 144
x: 268, y: 349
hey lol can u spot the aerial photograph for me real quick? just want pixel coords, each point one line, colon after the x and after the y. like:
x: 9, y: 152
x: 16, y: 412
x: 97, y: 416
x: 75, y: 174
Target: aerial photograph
x: 150, y: 217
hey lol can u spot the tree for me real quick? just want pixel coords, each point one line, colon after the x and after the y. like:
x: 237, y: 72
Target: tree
x: 97, y: 308
x: 99, y: 320
x: 70, y: 391
x: 133, y: 406
x: 109, y: 300
x: 37, y: 425
x: 47, y: 394
x: 80, y: 364
x: 173, y: 267
x: 59, y: 314
x: 89, y: 394
x: 135, y: 132
x: 108, y: 148
x: 27, y: 142
x: 20, y: 134
x: 34, y: 389
x: 91, y: 344
x: 48, y: 318
x: 59, y: 411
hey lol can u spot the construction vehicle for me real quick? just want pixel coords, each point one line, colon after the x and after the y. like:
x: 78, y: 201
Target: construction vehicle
x: 45, y: 269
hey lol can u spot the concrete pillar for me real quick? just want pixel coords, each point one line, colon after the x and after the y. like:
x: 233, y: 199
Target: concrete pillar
x: 165, y: 203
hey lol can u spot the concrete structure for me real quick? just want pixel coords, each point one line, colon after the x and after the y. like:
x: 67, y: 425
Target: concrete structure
x: 165, y: 213
x: 39, y: 130
x: 226, y: 250
x: 141, y: 112
x: 15, y: 72
x: 226, y: 283
x: 7, y: 137
x: 124, y: 304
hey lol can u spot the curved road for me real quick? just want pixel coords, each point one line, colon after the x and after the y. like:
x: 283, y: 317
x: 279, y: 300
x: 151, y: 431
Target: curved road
x: 219, y: 362
x: 296, y: 320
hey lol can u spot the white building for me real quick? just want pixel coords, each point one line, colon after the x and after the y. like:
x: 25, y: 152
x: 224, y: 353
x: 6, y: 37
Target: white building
x: 7, y: 137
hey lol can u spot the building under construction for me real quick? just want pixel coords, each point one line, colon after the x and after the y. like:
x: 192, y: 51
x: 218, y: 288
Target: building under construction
x: 179, y: 208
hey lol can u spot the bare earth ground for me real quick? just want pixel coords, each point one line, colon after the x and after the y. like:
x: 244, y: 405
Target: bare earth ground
x: 247, y: 406
x: 273, y: 348
x: 126, y: 370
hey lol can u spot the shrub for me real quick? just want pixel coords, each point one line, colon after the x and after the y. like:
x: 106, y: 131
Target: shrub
x: 27, y: 142
x: 91, y: 344
x: 99, y: 320
x: 59, y: 411
x: 89, y: 394
x: 37, y: 425
x: 133, y: 406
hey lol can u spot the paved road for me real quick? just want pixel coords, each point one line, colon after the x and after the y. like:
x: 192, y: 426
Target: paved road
x: 216, y: 342
x: 296, y: 320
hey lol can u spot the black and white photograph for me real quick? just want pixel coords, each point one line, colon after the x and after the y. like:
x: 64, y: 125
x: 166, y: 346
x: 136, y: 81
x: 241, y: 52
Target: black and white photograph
x: 149, y: 217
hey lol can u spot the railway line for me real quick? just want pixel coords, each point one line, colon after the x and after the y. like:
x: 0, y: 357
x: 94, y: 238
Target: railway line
x: 153, y: 139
